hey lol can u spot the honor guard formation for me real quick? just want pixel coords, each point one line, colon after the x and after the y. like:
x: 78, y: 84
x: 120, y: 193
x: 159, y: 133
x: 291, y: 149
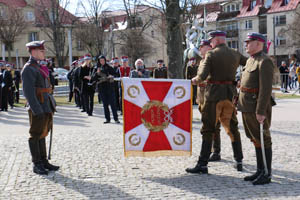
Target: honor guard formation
x: 217, y: 91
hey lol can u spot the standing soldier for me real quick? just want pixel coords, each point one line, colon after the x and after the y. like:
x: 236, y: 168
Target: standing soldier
x: 203, y: 48
x: 37, y: 91
x: 219, y: 69
x: 6, y: 85
x: 255, y: 104
x: 70, y: 78
x: 77, y: 84
x: 160, y: 71
x: 191, y: 72
x: 87, y: 88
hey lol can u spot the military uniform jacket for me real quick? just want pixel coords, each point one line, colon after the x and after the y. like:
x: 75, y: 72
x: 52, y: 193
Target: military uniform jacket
x: 191, y: 71
x: 33, y: 79
x: 220, y: 64
x: 160, y: 72
x: 258, y: 73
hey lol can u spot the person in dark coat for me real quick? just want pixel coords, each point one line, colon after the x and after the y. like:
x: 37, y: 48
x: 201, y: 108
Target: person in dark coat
x: 6, y: 85
x: 106, y: 88
x: 77, y: 84
x: 1, y: 80
x: 17, y: 80
x: 70, y: 78
x: 41, y: 106
x: 87, y: 86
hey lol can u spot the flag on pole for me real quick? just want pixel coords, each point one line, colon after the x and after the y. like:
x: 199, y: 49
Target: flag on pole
x: 157, y: 117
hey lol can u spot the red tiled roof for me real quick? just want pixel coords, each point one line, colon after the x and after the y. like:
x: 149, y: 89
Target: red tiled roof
x: 68, y: 18
x: 244, y: 12
x: 276, y: 6
x: 16, y: 3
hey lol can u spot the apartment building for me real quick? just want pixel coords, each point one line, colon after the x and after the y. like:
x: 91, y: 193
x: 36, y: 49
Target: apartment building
x: 34, y: 31
x: 271, y: 18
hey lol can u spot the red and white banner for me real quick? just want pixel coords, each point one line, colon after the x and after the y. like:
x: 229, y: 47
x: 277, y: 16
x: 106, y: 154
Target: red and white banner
x: 157, y: 117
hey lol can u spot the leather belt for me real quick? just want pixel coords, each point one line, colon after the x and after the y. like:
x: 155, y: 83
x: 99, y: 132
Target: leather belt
x: 40, y: 91
x: 202, y: 85
x: 249, y: 90
x: 220, y: 82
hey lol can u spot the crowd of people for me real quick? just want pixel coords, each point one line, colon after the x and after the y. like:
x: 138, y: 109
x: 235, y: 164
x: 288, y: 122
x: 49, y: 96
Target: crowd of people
x: 290, y: 75
x: 86, y: 78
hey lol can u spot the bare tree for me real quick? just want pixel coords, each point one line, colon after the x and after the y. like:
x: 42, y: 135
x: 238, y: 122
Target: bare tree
x: 134, y: 42
x: 12, y: 24
x: 136, y: 46
x: 294, y: 30
x: 55, y: 20
x: 90, y: 32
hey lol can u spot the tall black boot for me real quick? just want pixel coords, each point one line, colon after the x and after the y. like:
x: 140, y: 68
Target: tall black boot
x: 264, y: 178
x: 201, y: 166
x: 38, y: 166
x: 259, y: 166
x: 216, y: 147
x: 238, y: 154
x: 43, y: 150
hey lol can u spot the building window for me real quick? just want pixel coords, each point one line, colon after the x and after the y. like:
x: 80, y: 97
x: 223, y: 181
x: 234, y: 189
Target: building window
x: 29, y: 16
x: 237, y: 7
x: 33, y: 36
x: 232, y: 44
x: 228, y: 8
x: 2, y: 12
x: 280, y: 20
x: 280, y: 41
x: 232, y: 7
x: 252, y: 4
x: 248, y: 24
x: 79, y: 45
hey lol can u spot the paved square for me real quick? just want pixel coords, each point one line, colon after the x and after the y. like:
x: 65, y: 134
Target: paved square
x: 93, y: 166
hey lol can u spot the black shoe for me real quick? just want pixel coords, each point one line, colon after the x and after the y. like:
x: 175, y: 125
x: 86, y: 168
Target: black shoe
x: 197, y: 169
x: 253, y: 176
x: 262, y: 179
x: 38, y: 168
x: 239, y: 166
x: 214, y: 157
x: 49, y: 166
x: 83, y: 111
x: 106, y: 122
x: 90, y: 114
x: 117, y: 122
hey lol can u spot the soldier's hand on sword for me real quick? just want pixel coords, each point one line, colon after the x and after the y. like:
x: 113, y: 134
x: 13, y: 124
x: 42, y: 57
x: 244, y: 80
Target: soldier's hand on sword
x: 194, y: 81
x: 260, y: 118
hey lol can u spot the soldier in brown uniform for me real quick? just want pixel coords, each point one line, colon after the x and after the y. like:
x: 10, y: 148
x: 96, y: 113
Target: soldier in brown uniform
x: 191, y: 72
x: 255, y: 104
x: 38, y: 93
x: 203, y: 48
x: 219, y: 69
x: 160, y: 71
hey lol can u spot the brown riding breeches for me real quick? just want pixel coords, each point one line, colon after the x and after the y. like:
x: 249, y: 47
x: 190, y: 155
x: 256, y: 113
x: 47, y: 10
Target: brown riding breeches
x: 222, y: 111
x: 40, y: 126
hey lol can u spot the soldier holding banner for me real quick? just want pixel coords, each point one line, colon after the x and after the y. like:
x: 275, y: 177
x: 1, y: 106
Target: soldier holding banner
x: 219, y: 69
x: 38, y: 93
x: 256, y: 105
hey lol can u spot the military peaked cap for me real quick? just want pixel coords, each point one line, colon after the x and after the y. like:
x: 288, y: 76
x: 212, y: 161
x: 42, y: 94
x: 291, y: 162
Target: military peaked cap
x: 87, y: 57
x: 160, y: 61
x: 216, y: 33
x: 204, y: 43
x: 75, y: 62
x: 36, y: 45
x: 255, y: 36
